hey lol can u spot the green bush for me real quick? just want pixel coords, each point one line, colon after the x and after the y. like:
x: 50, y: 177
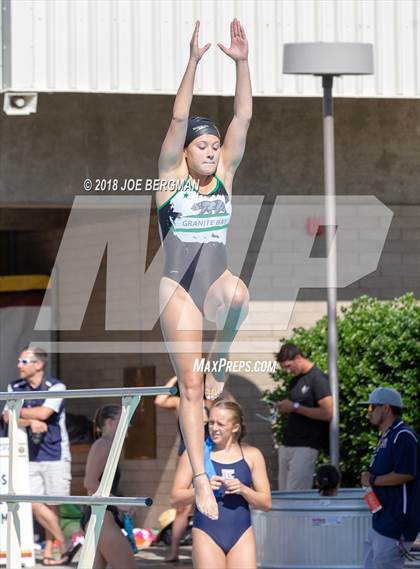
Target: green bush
x: 378, y: 345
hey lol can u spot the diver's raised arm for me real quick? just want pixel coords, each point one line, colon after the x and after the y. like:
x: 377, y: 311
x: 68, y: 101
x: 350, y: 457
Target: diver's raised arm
x: 173, y: 145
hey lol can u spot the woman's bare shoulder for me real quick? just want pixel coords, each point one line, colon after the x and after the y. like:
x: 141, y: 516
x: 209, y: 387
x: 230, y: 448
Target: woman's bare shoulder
x: 100, y: 447
x: 169, y: 183
x: 224, y: 177
x: 251, y: 453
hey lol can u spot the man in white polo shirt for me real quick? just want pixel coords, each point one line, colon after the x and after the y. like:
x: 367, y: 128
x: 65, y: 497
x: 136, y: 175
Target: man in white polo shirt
x: 49, y: 454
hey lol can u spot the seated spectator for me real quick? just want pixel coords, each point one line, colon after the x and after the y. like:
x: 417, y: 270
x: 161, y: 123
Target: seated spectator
x: 328, y: 480
x: 113, y: 547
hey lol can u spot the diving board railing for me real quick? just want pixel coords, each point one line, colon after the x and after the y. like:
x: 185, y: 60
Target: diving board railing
x: 130, y: 400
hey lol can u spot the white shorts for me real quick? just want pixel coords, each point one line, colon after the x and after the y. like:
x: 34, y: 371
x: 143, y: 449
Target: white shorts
x: 50, y: 478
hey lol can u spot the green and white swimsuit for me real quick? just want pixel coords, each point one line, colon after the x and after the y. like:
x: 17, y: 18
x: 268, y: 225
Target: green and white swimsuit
x: 193, y: 229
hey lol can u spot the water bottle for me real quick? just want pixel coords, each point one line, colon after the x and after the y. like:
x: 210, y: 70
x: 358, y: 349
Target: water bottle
x: 128, y: 527
x: 209, y: 466
x: 371, y: 500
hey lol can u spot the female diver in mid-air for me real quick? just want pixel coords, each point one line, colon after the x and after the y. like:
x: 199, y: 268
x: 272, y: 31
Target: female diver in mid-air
x: 193, y: 221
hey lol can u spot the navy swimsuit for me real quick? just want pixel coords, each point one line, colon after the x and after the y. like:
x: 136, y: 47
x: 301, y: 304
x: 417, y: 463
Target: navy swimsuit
x: 118, y: 516
x: 193, y: 229
x: 234, y: 515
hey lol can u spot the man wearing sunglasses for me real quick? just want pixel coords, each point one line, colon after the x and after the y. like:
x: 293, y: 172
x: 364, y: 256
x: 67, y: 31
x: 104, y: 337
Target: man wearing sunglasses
x: 394, y: 475
x: 48, y: 445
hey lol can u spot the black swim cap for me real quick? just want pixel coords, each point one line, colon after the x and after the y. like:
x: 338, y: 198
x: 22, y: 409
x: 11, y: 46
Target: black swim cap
x: 197, y: 126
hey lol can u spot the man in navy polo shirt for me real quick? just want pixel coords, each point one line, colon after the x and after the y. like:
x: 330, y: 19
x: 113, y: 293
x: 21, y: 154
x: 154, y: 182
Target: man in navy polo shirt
x: 394, y: 475
x: 49, y: 455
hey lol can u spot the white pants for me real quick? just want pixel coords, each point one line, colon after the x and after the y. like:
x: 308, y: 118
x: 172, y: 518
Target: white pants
x: 50, y: 478
x: 383, y: 552
x: 296, y: 467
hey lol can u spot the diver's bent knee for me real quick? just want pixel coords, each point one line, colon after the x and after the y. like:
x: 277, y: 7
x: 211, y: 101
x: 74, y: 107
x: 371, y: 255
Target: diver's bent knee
x: 240, y: 296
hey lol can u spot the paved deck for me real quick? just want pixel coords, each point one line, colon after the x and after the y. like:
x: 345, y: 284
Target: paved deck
x: 150, y: 558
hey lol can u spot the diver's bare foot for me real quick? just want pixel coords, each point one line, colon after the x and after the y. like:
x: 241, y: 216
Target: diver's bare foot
x: 204, y: 497
x: 213, y: 387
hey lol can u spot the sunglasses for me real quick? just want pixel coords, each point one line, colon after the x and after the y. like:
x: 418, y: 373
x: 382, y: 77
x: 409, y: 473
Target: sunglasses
x: 372, y: 407
x: 25, y: 362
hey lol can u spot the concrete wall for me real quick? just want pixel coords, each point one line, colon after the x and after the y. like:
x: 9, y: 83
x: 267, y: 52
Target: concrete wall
x: 46, y: 157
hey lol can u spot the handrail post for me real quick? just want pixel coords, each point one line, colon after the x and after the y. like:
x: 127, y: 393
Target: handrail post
x: 93, y: 530
x: 13, y: 524
x: 131, y: 397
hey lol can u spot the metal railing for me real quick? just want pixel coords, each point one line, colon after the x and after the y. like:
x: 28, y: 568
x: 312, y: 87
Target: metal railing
x: 130, y: 400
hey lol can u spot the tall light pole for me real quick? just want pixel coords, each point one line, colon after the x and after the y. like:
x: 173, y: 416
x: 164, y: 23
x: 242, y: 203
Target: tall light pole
x: 330, y: 60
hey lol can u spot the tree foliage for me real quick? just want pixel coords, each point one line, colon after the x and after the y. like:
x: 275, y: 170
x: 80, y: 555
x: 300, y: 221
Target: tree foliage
x: 378, y: 345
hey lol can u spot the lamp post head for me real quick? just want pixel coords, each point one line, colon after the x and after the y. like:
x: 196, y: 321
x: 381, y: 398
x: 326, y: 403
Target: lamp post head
x: 328, y: 58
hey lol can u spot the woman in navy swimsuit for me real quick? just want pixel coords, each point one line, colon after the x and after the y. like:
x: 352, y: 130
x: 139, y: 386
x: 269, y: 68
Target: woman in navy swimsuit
x: 193, y: 219
x: 182, y: 515
x: 239, y: 480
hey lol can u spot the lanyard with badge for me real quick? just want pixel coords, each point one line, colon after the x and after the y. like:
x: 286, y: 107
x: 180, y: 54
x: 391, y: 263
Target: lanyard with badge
x: 382, y: 443
x: 370, y: 497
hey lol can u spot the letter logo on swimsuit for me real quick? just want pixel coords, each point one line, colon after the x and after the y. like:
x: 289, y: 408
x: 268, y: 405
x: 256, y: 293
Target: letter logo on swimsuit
x: 228, y: 473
